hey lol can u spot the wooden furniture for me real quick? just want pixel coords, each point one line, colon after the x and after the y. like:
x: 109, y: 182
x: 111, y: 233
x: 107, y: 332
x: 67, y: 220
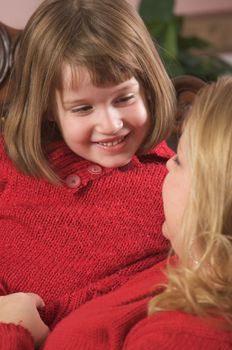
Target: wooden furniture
x: 186, y: 86
x: 9, y: 38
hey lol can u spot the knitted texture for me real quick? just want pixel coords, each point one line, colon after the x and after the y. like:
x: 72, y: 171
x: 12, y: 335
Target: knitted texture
x: 72, y: 242
x: 119, y: 321
x: 15, y: 338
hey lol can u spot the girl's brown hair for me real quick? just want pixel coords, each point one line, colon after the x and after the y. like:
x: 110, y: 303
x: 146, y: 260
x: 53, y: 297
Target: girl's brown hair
x: 108, y: 38
x: 206, y: 288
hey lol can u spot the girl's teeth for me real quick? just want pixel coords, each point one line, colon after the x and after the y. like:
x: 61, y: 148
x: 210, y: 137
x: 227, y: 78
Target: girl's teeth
x: 110, y: 144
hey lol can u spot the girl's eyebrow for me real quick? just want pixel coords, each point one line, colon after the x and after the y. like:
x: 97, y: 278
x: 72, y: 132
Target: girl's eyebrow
x: 72, y: 102
x: 127, y: 85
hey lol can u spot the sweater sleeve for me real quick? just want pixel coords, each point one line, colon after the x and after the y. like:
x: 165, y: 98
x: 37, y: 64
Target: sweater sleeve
x: 176, y: 331
x: 3, y: 182
x: 14, y: 337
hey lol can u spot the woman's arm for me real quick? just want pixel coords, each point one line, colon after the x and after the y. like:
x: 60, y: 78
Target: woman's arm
x: 177, y: 330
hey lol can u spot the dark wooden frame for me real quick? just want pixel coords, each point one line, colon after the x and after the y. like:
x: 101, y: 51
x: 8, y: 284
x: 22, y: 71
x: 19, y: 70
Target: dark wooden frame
x: 9, y: 38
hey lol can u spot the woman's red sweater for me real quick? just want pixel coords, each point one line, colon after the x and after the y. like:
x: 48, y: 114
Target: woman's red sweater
x: 119, y: 321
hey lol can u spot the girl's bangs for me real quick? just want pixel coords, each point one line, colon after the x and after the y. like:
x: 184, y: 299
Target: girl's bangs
x: 102, y: 70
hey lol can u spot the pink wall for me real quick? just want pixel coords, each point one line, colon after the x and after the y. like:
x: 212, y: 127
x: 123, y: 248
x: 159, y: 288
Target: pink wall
x: 191, y: 7
x: 15, y: 13
x: 135, y: 2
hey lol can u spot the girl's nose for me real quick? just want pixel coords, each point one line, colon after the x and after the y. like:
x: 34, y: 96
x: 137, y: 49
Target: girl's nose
x: 109, y: 123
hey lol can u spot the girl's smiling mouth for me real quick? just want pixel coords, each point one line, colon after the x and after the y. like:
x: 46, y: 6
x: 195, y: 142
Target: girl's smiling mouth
x: 113, y: 144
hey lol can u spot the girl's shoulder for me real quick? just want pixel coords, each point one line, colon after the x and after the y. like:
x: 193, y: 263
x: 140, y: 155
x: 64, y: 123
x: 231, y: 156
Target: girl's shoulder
x: 7, y: 168
x: 178, y: 330
x: 3, y: 154
x: 162, y: 150
x: 4, y: 165
x: 2, y: 145
x: 159, y: 154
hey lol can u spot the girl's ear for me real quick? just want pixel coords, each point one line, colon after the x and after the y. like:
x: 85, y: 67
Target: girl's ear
x: 50, y: 127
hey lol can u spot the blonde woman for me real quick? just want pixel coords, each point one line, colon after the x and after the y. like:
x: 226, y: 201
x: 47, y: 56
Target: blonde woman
x: 184, y: 302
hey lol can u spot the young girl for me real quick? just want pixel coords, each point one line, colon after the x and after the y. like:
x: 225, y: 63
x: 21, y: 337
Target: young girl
x: 80, y: 179
x: 190, y: 307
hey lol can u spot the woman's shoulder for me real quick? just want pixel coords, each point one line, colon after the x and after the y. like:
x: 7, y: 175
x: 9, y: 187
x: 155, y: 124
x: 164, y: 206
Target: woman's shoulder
x: 178, y: 330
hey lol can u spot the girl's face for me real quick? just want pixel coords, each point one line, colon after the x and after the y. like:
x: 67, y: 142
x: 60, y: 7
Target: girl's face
x: 105, y: 125
x: 175, y: 194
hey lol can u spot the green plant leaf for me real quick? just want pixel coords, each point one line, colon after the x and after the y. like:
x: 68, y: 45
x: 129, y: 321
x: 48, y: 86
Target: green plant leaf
x: 206, y: 67
x: 171, y: 39
x: 176, y: 51
x: 192, y: 42
x: 153, y: 10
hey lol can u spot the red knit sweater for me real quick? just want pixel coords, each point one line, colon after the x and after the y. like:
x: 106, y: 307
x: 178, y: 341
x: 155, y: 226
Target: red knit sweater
x: 73, y: 242
x: 119, y: 321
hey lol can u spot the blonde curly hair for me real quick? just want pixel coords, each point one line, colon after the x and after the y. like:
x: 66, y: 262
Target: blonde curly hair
x: 205, y: 289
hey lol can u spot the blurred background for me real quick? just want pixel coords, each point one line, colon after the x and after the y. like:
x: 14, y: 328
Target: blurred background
x: 194, y: 37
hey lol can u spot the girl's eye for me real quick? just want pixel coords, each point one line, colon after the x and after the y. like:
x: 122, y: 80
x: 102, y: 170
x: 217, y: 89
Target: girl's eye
x: 85, y: 109
x: 125, y: 99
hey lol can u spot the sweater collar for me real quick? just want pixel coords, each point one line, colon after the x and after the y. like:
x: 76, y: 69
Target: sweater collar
x: 75, y: 171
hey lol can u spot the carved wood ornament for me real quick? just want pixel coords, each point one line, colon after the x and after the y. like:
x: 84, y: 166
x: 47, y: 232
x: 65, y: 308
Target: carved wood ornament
x: 9, y: 38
